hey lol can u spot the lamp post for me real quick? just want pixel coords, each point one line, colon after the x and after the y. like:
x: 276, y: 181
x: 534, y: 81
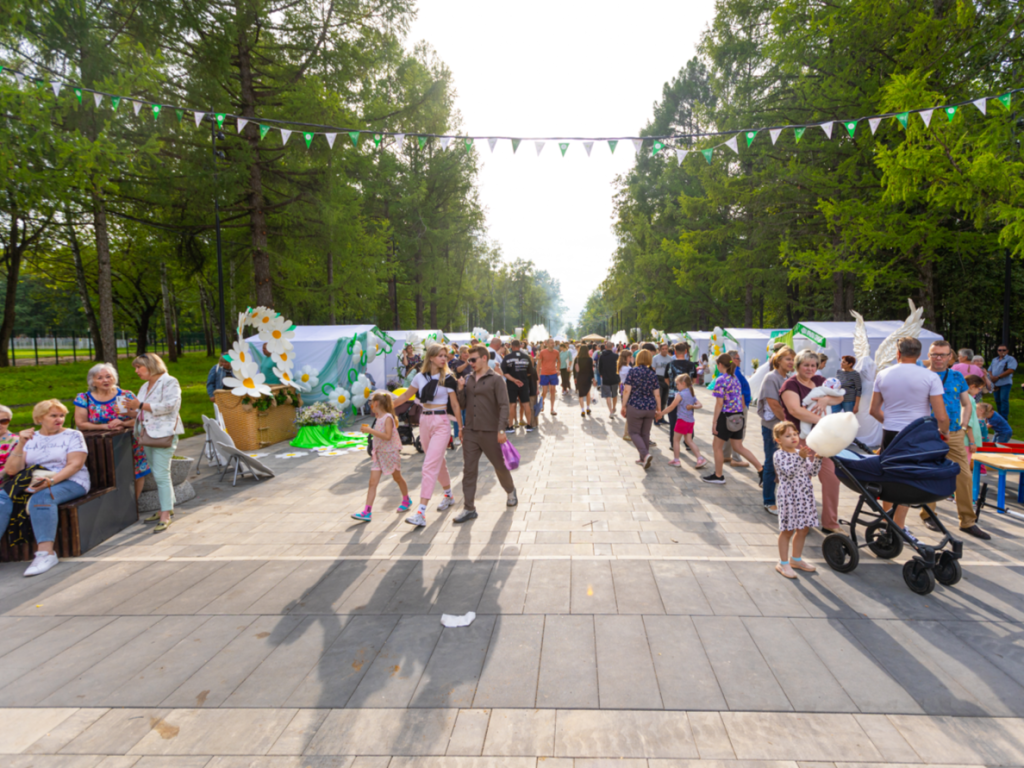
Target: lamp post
x: 216, y: 221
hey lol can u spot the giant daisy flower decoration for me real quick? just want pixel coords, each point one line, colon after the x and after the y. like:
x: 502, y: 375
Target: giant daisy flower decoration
x: 308, y: 378
x: 247, y: 380
x: 357, y: 352
x: 276, y: 337
x: 341, y: 399
x: 284, y: 376
x: 362, y: 390
x: 262, y: 317
x: 240, y: 354
x: 285, y: 359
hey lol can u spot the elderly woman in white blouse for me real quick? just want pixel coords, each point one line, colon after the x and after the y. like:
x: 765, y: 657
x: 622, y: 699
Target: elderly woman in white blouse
x: 156, y: 411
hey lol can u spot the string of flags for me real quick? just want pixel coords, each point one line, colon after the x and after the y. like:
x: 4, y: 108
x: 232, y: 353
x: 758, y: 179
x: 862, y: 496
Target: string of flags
x: 655, y: 144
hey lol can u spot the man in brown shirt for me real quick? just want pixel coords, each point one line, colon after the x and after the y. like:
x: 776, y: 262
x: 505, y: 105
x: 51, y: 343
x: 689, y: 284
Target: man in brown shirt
x: 483, y: 396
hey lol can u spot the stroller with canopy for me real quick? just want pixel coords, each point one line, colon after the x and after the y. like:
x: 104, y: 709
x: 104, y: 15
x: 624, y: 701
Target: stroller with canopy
x: 912, y: 471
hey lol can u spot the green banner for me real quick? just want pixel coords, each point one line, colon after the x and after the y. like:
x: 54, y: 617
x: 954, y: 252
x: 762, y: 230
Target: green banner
x: 807, y: 333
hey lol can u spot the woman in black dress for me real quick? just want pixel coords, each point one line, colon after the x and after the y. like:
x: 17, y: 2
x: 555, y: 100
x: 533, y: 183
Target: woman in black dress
x: 584, y: 369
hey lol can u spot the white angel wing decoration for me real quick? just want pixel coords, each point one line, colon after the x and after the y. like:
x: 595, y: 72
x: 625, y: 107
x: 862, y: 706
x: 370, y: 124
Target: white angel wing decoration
x: 886, y: 354
x: 861, y: 348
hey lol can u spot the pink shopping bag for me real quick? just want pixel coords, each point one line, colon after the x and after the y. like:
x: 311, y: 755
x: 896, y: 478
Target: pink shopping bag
x: 510, y: 454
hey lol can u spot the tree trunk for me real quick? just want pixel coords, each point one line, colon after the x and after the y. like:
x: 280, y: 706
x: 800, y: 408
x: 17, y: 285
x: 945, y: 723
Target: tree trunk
x: 927, y: 295
x: 748, y: 310
x: 417, y: 262
x: 11, y: 293
x: 142, y: 330
x: 330, y: 287
x: 83, y: 291
x: 393, y: 302
x: 842, y: 295
x: 433, y: 307
x: 105, y: 288
x: 206, y: 312
x: 172, y: 351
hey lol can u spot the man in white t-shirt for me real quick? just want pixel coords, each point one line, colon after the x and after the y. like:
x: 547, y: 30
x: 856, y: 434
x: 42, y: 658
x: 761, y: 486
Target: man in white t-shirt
x: 494, y: 353
x: 903, y: 394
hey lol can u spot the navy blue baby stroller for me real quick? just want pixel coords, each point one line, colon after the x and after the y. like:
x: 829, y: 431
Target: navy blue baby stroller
x: 912, y: 471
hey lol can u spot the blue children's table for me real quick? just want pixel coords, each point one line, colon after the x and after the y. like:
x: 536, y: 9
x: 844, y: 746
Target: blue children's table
x: 1001, y: 463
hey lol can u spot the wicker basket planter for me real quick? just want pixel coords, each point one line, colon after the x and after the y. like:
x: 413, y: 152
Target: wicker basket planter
x: 252, y: 429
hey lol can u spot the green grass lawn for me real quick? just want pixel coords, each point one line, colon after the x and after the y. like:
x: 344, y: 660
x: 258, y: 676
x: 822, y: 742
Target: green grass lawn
x: 24, y: 386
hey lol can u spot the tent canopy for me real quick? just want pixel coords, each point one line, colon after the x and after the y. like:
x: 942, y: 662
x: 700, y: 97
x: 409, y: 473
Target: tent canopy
x: 593, y: 337
x: 839, y: 338
x: 751, y: 343
x: 391, y: 363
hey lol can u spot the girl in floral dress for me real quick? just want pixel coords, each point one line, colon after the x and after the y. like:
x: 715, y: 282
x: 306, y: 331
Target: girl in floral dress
x: 102, y: 408
x: 387, y: 458
x: 794, y: 497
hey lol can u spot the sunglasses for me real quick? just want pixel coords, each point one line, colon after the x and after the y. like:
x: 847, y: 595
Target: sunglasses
x: 5, y: 421
x: 472, y: 359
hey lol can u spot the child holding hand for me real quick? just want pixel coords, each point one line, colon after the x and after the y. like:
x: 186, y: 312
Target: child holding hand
x: 685, y: 403
x: 387, y: 458
x: 794, y: 468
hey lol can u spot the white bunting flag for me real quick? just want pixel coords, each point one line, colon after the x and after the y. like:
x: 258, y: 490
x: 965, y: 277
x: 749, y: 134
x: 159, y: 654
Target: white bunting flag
x: 539, y: 145
x: 284, y: 136
x: 638, y: 145
x: 242, y: 122
x: 492, y: 143
x: 56, y: 85
x: 330, y: 139
x: 981, y: 104
x: 588, y: 145
x: 97, y: 98
x: 20, y: 78
x: 399, y: 140
x: 826, y: 127
x: 926, y: 115
x: 874, y: 122
x: 774, y: 133
x: 199, y: 117
x: 681, y: 155
x: 136, y: 105
x: 445, y: 141
x: 731, y: 144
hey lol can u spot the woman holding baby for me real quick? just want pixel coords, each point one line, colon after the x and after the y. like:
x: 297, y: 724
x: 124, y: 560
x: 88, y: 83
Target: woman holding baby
x: 793, y: 393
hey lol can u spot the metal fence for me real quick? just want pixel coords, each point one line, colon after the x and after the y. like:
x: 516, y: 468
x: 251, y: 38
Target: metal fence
x: 67, y: 347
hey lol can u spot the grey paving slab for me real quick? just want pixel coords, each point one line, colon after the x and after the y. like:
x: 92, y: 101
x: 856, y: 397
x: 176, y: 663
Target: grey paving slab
x: 451, y: 675
x: 68, y: 595
x: 24, y: 727
x: 215, y: 732
x: 222, y: 577
x: 384, y: 732
x: 625, y: 671
x: 724, y: 592
x: 685, y: 677
x: 374, y: 592
x: 510, y: 670
x: 593, y: 589
x: 60, y: 735
x: 636, y: 591
x: 623, y: 734
x: 393, y: 676
x: 524, y: 732
x: 421, y: 587
x: 15, y: 631
x: 238, y: 598
x: 986, y: 741
x: 1000, y: 644
x: 284, y: 597
x: 467, y: 738
x: 746, y: 680
x: 341, y: 668
x: 679, y: 589
x: 815, y: 737
x: 329, y: 593
x: 29, y: 656
x: 568, y: 664
x: 463, y: 588
x: 129, y: 591
x: 506, y: 587
x: 115, y: 733
x: 549, y: 587
x: 299, y: 732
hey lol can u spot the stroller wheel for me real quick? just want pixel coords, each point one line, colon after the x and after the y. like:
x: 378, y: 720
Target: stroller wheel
x: 919, y: 577
x: 840, y: 552
x: 882, y: 540
x: 418, y: 444
x: 948, y: 570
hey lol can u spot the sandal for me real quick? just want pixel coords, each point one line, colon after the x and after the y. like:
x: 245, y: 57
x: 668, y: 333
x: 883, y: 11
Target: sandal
x: 785, y: 570
x: 161, y: 527
x: 800, y: 565
x: 155, y: 517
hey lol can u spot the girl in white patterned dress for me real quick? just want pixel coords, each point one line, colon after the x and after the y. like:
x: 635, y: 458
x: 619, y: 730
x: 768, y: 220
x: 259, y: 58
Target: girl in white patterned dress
x: 794, y: 497
x: 387, y: 456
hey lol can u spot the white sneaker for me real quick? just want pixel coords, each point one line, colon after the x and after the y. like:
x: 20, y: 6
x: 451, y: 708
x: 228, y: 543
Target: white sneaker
x: 43, y: 562
x: 418, y: 520
x: 446, y: 502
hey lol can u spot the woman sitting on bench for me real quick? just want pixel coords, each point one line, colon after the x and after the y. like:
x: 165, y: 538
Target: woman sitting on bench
x: 57, y: 457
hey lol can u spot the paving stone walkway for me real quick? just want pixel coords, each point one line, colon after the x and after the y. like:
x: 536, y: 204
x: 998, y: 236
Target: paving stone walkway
x: 621, y: 614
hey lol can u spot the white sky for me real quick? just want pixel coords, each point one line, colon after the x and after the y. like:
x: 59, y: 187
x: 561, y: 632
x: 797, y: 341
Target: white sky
x: 558, y: 68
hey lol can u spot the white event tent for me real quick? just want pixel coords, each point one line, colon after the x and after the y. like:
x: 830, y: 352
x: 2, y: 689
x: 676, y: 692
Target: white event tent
x: 839, y: 338
x: 391, y: 363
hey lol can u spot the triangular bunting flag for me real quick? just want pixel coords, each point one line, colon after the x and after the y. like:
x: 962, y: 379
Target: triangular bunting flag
x: 637, y: 145
x: 904, y: 118
x: 377, y: 139
x: 308, y: 136
x: 56, y: 85
x: 399, y: 140
x: 588, y: 145
x: 681, y: 155
x: 774, y: 133
x: 445, y: 141
x: 221, y: 117
x: 422, y: 141
x: 981, y: 104
x: 563, y: 145
x: 1005, y: 100
x: 78, y: 94
x: 330, y: 139
x: 114, y: 101
x: 750, y: 137
x: 539, y: 146
x: 179, y: 113
x: 800, y: 133
x: 851, y: 127
x: 926, y: 115
x: 826, y: 127
x: 354, y: 138
x: 612, y: 145
x: 97, y: 99
x: 242, y: 122
x: 657, y: 147
x: 156, y: 111
x: 708, y: 153
x: 951, y: 113
x: 874, y: 122
x: 515, y: 145
x: 733, y: 145
x: 492, y: 143
x: 264, y: 130
x: 467, y: 143
x: 20, y: 78
x: 199, y: 118
x: 136, y: 105
x: 285, y: 135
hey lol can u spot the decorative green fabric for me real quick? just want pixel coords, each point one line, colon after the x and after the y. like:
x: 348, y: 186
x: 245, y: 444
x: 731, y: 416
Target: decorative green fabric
x: 328, y: 436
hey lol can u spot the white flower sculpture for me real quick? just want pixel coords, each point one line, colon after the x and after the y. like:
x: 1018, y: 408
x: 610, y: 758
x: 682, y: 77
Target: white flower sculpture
x: 285, y: 377
x: 239, y: 353
x: 277, y: 336
x: 341, y: 399
x: 374, y: 347
x: 362, y: 390
x: 283, y: 359
x: 247, y: 381
x: 357, y: 352
x: 308, y: 378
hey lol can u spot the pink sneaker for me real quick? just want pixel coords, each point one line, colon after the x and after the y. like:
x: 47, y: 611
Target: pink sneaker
x: 405, y: 506
x: 701, y: 462
x: 675, y: 463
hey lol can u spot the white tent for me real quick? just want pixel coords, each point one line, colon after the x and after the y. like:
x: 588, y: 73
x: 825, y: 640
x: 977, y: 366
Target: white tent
x: 462, y: 339
x: 391, y: 363
x: 839, y: 339
x: 751, y: 343
x: 703, y: 341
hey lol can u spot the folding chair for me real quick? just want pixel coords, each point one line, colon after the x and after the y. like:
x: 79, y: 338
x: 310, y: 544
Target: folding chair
x: 210, y: 452
x: 237, y: 458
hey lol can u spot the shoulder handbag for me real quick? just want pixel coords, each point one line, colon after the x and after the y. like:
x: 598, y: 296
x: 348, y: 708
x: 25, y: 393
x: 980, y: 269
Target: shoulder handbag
x: 734, y: 422
x: 143, y: 436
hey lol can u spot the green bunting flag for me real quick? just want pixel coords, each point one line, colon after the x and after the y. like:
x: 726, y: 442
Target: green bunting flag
x: 114, y: 101
x: 799, y: 134
x: 220, y: 119
x: 376, y: 139
x: 851, y: 127
x: 951, y: 113
x: 612, y: 145
x: 750, y: 137
x: 658, y: 146
x: 903, y: 117
x: 78, y: 93
x: 708, y: 153
x: 421, y: 139
x: 515, y: 145
x: 563, y: 145
x: 180, y: 114
x: 468, y: 143
x: 264, y: 129
x: 354, y: 137
x: 308, y: 136
x: 1005, y: 100
x: 156, y: 111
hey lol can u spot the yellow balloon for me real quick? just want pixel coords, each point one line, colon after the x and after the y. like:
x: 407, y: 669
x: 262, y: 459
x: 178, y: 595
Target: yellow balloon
x: 400, y: 392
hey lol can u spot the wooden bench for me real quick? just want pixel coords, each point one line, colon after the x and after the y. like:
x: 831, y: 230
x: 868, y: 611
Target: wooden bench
x: 108, y: 508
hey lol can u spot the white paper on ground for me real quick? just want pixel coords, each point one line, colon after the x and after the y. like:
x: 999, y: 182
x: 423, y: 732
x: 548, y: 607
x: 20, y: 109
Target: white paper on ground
x: 448, y: 620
